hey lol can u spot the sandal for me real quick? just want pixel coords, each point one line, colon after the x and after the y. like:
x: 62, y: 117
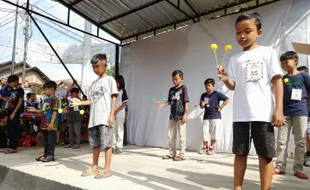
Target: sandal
x: 102, y: 175
x: 47, y: 159
x: 167, y: 157
x: 10, y: 151
x: 40, y: 158
x: 278, y: 172
x: 89, y: 172
x: 179, y: 158
x: 301, y: 175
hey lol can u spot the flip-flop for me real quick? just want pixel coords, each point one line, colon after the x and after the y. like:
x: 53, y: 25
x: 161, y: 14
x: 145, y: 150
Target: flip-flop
x: 179, y: 158
x: 39, y: 158
x: 102, y: 175
x: 89, y: 172
x: 167, y: 157
x: 301, y: 175
x: 278, y: 172
x: 9, y: 151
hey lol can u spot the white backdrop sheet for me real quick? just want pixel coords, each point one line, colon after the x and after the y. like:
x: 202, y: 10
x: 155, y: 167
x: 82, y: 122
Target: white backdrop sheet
x: 147, y: 66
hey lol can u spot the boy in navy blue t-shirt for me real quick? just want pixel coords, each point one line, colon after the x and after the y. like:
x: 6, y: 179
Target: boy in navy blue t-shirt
x: 210, y: 101
x: 295, y: 112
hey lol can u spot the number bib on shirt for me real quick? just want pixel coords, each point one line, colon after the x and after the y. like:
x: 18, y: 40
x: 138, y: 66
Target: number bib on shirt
x: 254, y: 71
x: 75, y: 108
x: 296, y: 94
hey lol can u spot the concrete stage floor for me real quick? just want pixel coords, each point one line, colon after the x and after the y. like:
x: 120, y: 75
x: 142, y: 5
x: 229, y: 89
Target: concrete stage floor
x: 138, y: 168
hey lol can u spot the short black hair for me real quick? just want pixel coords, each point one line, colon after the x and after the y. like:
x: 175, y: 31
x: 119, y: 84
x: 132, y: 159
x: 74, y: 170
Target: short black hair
x: 303, y: 68
x: 289, y: 55
x: 250, y: 16
x: 98, y: 57
x: 50, y: 84
x: 28, y: 94
x: 177, y: 72
x: 3, y: 114
x: 13, y: 78
x: 84, y: 96
x: 76, y: 90
x: 210, y: 81
x: 120, y: 79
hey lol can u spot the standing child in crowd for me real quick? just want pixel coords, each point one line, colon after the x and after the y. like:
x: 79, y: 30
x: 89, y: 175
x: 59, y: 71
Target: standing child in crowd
x: 178, y: 101
x: 75, y: 122
x: 121, y: 102
x: 210, y: 101
x: 251, y: 75
x: 295, y: 111
x: 3, y: 130
x: 102, y: 94
x: 49, y: 121
x: 15, y: 108
x: 307, y: 154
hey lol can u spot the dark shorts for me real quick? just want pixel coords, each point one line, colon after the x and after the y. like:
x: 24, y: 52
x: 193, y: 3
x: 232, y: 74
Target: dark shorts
x: 262, y: 134
x: 100, y: 136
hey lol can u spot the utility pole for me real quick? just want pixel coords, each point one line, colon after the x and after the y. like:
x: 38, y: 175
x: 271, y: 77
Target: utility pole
x: 14, y: 41
x: 26, y: 39
x: 86, y: 55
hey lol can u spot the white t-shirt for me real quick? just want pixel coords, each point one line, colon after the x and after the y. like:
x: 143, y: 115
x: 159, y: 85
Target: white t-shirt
x: 100, y: 94
x: 121, y: 98
x: 252, y: 72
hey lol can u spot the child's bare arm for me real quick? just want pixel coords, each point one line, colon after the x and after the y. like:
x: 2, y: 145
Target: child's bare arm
x: 278, y: 119
x: 224, y: 104
x: 120, y: 107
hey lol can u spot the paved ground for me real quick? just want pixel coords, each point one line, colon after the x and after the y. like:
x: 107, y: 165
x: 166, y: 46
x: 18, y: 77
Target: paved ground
x: 143, y: 169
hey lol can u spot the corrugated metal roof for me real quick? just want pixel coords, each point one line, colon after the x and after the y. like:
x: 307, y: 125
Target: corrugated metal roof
x: 130, y: 20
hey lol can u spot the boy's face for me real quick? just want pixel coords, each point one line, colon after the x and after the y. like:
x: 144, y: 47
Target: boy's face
x: 100, y: 67
x: 289, y: 64
x: 49, y: 92
x: 209, y: 87
x: 5, y: 120
x: 246, y: 33
x: 74, y: 95
x: 177, y: 80
x: 33, y: 97
x: 13, y: 84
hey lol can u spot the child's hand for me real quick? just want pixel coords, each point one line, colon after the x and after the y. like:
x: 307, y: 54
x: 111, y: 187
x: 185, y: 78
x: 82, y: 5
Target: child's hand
x: 277, y: 118
x: 12, y: 116
x: 111, y: 120
x: 184, y: 118
x: 31, y: 109
x: 222, y: 74
x: 50, y: 127
x: 75, y: 102
x: 220, y: 109
x: 160, y: 104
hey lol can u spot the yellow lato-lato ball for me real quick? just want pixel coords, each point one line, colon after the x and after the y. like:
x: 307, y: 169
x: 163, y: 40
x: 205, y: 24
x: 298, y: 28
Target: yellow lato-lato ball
x: 60, y: 110
x: 213, y: 47
x: 228, y: 47
x: 82, y: 112
x: 285, y: 80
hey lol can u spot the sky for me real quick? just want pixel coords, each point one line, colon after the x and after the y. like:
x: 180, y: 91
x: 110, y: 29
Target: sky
x: 39, y: 53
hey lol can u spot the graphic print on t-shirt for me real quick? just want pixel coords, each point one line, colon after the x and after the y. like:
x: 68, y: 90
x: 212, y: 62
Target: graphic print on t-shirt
x: 98, y: 91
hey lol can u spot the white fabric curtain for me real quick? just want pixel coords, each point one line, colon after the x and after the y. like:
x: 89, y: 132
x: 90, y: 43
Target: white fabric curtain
x: 147, y: 66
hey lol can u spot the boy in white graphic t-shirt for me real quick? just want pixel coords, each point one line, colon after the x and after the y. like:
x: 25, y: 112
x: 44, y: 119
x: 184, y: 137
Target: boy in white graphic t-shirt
x: 252, y: 74
x: 102, y: 100
x: 121, y: 102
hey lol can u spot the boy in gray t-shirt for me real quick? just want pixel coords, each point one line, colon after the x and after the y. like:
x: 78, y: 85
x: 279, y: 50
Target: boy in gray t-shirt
x: 102, y: 100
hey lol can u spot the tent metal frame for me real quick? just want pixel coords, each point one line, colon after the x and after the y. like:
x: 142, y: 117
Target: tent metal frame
x: 70, y: 7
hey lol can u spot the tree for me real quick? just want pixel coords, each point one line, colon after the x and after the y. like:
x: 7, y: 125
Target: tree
x: 111, y: 71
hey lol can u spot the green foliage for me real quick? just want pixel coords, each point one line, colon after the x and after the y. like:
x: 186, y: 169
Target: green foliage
x: 111, y: 71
